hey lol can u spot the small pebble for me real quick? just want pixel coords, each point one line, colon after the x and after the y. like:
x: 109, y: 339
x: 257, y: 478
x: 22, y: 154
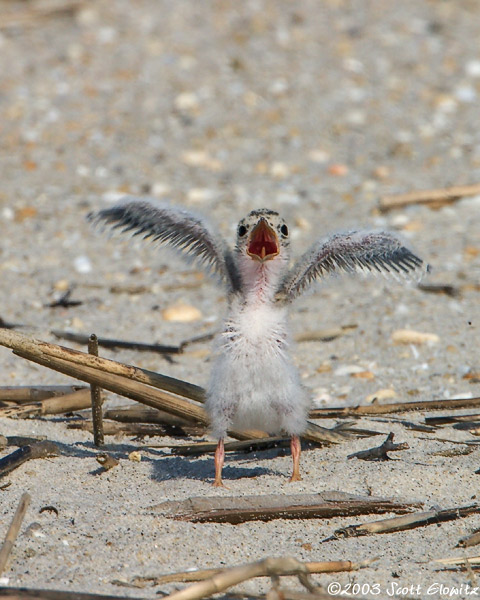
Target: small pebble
x: 338, y: 170
x: 348, y: 370
x: 135, y: 456
x: 181, y: 313
x: 279, y: 170
x: 187, y: 101
x: 82, y: 264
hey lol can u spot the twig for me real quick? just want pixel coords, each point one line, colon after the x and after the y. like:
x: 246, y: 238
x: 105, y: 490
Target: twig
x: 406, y: 522
x: 8, y: 593
x: 471, y: 540
x: 436, y: 196
x: 242, y: 446
x: 36, y: 392
x: 334, y: 566
x: 64, y: 301
x: 140, y: 429
x: 81, y: 338
x: 96, y: 397
x: 143, y: 414
x: 265, y: 508
x: 324, y: 335
x: 13, y: 530
x: 269, y: 567
x: 394, y: 407
x: 51, y: 406
x: 440, y: 288
x: 17, y: 458
x: 30, y: 16
x: 380, y: 452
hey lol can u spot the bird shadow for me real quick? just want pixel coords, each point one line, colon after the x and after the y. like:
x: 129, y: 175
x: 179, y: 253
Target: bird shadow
x: 182, y: 467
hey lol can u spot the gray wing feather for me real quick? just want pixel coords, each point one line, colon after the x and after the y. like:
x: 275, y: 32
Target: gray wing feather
x: 177, y: 227
x: 349, y: 252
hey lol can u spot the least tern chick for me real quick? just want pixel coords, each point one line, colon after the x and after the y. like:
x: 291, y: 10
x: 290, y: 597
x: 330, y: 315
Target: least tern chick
x: 253, y: 381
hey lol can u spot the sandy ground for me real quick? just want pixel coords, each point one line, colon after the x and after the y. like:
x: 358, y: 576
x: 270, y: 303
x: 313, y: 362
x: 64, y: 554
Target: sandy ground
x: 314, y: 109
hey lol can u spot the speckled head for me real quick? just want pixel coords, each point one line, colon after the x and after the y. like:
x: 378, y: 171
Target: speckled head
x: 262, y: 235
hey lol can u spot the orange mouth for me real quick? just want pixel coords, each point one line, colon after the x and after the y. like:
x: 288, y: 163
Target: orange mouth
x: 263, y: 242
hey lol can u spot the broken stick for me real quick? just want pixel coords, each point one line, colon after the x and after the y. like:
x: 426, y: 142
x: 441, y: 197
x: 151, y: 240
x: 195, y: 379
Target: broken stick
x: 13, y: 530
x: 95, y: 393
x: 434, y: 197
x: 17, y: 458
x: 406, y: 522
x: 380, y: 452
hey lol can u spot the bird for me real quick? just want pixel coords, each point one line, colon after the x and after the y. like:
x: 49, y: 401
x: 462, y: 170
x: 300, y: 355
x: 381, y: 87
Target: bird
x: 253, y: 381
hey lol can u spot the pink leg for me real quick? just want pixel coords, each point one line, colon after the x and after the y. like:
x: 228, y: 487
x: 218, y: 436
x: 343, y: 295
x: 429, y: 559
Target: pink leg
x: 219, y: 458
x: 296, y: 449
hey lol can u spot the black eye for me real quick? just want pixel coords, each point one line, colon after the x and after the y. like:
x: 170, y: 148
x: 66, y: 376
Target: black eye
x: 242, y: 230
x: 284, y: 230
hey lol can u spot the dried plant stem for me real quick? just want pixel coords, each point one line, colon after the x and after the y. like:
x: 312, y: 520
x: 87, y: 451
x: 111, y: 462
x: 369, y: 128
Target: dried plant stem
x: 334, y: 566
x: 407, y: 522
x: 51, y: 406
x: 436, y: 196
x: 229, y: 577
x: 394, y: 407
x: 17, y: 458
x: 21, y: 343
x: 13, y: 530
x: 35, y: 393
x: 97, y: 416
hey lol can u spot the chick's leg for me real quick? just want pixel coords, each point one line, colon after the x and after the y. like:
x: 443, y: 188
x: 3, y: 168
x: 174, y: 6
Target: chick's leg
x: 296, y: 449
x: 219, y: 459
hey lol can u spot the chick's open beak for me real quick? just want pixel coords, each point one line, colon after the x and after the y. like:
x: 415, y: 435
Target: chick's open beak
x: 263, y: 242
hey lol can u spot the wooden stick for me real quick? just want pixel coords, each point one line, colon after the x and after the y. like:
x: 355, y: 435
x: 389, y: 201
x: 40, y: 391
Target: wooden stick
x: 406, y: 522
x: 8, y: 593
x: 81, y: 338
x: 471, y: 540
x: 140, y: 429
x: 380, y: 452
x: 36, y: 392
x: 17, y: 458
x: 143, y: 414
x: 445, y: 195
x: 394, y: 407
x: 96, y: 398
x: 276, y: 506
x: 242, y: 446
x: 13, y: 530
x: 21, y: 343
x: 333, y: 566
x: 51, y: 406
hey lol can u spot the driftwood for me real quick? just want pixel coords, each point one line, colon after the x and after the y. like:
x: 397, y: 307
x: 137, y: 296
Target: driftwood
x: 51, y: 406
x: 130, y: 382
x: 433, y: 197
x: 380, y: 452
x: 440, y: 288
x: 412, y: 521
x: 13, y: 530
x: 37, y: 11
x: 265, y: 508
x: 36, y: 393
x: 393, y: 407
x: 17, y: 458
